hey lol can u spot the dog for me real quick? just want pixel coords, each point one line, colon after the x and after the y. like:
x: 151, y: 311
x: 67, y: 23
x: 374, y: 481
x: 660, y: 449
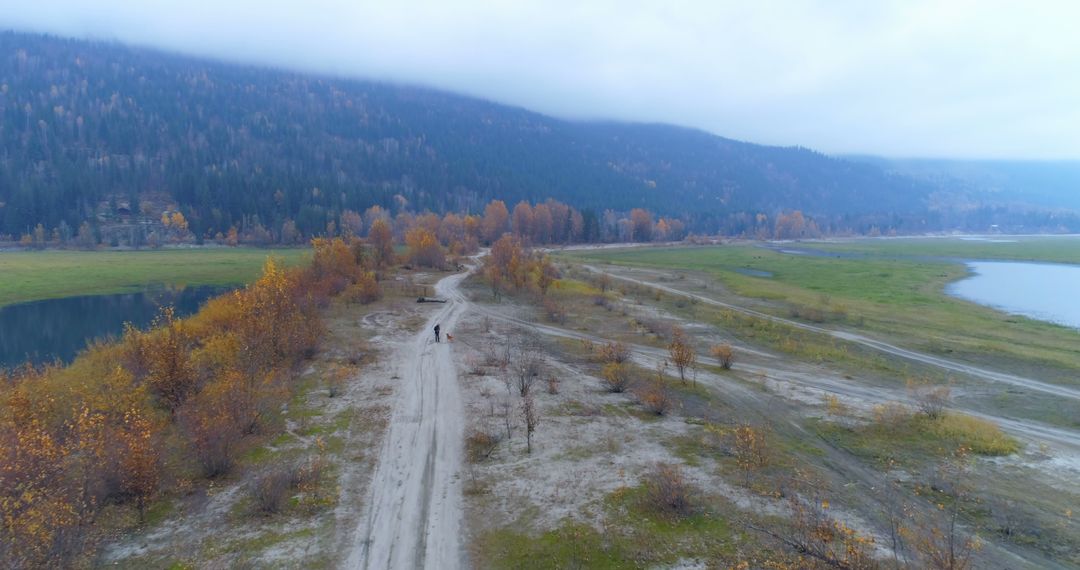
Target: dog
x: 449, y: 337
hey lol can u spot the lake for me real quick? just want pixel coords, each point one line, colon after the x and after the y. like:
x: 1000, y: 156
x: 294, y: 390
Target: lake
x: 1044, y: 291
x: 42, y: 331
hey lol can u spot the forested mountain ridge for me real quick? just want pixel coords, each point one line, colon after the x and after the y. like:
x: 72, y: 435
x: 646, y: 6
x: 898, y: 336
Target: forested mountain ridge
x: 86, y: 123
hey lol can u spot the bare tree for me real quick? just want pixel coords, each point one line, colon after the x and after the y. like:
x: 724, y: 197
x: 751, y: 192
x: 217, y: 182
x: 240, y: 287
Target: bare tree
x: 603, y: 282
x: 525, y: 364
x: 816, y: 536
x: 681, y: 351
x: 531, y: 415
x: 507, y: 406
x: 931, y: 400
x: 939, y: 540
x: 507, y: 378
x: 656, y: 397
x: 895, y: 513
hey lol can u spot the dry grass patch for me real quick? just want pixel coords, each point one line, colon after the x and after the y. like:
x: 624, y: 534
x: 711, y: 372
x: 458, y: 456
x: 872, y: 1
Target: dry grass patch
x: 983, y: 437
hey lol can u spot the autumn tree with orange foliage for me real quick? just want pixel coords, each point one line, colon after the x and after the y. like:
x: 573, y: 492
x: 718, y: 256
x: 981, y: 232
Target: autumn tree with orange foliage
x: 140, y: 467
x: 496, y: 221
x: 424, y: 248
x: 365, y: 290
x: 168, y: 370
x: 681, y: 352
x: 641, y: 225
x: 333, y: 264
x: 509, y: 266
x: 381, y: 237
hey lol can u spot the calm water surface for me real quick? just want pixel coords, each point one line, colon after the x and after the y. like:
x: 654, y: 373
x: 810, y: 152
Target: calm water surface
x: 43, y: 331
x: 1045, y: 291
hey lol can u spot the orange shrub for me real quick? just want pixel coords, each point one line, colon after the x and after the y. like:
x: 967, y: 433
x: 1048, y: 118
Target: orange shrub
x: 74, y: 439
x: 724, y: 355
x: 365, y: 290
x: 424, y: 248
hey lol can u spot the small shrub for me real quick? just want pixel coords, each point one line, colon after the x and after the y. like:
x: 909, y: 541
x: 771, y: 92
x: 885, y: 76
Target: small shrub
x: 931, y: 400
x: 657, y: 327
x: 335, y: 381
x: 474, y: 363
x: 835, y: 406
x: 668, y: 493
x: 307, y: 478
x: 613, y: 352
x: 724, y: 355
x: 480, y: 444
x: 365, y: 290
x: 552, y: 385
x: 269, y: 492
x: 615, y: 376
x: 554, y: 310
x: 752, y: 448
x: 656, y: 398
x: 492, y: 355
x: 891, y: 415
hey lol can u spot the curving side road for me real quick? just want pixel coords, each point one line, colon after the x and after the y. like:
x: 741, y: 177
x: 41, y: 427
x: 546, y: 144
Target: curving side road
x: 950, y: 365
x: 414, y: 507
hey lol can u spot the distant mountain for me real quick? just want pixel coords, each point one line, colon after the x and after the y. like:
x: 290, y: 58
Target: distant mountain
x: 1050, y: 184
x: 84, y: 124
x: 1012, y: 194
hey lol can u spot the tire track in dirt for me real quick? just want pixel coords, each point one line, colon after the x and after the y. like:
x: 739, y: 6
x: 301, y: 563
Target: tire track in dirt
x: 414, y: 507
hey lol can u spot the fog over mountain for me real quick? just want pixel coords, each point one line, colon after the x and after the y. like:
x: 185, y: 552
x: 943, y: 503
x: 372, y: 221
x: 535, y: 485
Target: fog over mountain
x: 896, y: 78
x: 90, y: 126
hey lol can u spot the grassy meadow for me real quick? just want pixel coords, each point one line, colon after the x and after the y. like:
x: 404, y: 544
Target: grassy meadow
x: 1056, y: 249
x: 35, y: 275
x: 892, y: 288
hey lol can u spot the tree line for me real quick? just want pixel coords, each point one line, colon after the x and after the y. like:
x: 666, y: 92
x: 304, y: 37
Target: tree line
x: 102, y: 134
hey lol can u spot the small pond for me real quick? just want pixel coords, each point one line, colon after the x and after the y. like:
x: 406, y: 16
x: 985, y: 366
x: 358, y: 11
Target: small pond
x: 42, y: 331
x: 1044, y: 291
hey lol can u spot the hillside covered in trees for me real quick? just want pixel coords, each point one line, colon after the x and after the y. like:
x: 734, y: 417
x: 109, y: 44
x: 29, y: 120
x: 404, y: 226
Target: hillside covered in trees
x: 92, y: 132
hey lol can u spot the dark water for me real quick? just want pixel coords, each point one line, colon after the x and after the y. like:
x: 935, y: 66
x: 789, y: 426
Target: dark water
x: 1045, y: 291
x: 754, y: 272
x: 43, y: 331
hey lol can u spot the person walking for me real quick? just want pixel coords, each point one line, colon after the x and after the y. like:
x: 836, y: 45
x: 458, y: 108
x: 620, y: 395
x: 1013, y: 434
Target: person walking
x: 436, y: 333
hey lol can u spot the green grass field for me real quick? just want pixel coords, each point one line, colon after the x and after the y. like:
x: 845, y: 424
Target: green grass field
x: 1058, y: 249
x: 35, y: 275
x: 893, y: 288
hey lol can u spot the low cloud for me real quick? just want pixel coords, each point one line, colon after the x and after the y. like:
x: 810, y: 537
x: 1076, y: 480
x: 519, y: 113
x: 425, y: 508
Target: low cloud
x: 909, y: 78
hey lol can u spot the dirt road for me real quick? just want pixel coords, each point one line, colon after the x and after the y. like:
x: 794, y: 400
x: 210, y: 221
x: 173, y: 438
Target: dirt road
x: 950, y: 365
x: 414, y: 508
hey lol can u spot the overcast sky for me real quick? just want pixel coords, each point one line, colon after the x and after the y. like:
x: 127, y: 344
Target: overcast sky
x: 920, y: 78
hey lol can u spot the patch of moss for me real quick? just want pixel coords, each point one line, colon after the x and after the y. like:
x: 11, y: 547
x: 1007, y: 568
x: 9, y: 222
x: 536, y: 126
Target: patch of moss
x: 633, y: 536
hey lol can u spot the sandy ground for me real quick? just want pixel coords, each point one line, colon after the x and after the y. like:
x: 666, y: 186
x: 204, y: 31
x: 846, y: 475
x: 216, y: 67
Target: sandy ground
x: 573, y: 477
x: 415, y: 508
